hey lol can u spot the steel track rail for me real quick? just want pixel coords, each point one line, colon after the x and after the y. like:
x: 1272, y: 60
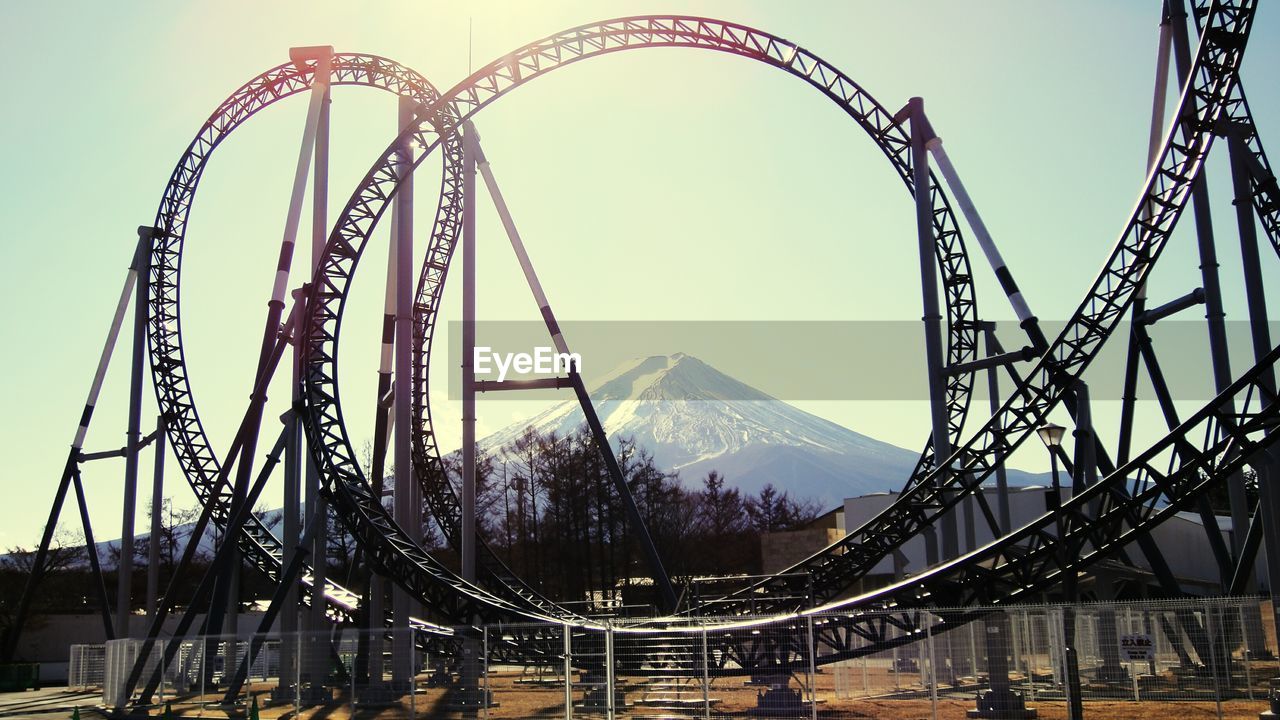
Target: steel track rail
x: 1237, y: 116
x: 405, y: 562
x: 1089, y: 528
x: 837, y: 567
x: 199, y: 462
x: 1069, y: 354
x: 1074, y: 348
x: 1236, y: 110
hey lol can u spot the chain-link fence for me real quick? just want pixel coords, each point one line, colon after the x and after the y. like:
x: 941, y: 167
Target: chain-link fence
x: 1204, y: 658
x: 86, y: 666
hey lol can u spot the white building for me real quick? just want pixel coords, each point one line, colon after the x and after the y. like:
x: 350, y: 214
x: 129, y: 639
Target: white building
x: 1181, y: 539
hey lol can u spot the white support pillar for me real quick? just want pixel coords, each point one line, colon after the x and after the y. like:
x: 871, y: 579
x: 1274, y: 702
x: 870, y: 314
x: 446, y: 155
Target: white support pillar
x: 989, y: 249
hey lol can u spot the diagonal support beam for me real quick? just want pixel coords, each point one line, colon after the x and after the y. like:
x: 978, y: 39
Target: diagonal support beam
x: 280, y: 598
x: 638, y: 527
x: 275, y: 306
x: 77, y: 445
x: 222, y: 564
x: 99, y: 581
x: 166, y: 605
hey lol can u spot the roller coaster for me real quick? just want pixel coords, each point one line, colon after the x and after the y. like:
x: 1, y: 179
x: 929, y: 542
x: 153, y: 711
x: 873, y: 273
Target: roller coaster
x: 1120, y: 493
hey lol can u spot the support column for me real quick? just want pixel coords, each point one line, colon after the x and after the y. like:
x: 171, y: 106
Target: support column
x: 1214, y: 313
x: 1155, y: 137
x: 468, y: 355
x: 374, y: 602
x: 292, y: 522
x: 1071, y: 663
x: 920, y: 136
x: 317, y: 510
x: 470, y: 675
x: 993, y: 392
x: 404, y: 239
x: 133, y: 436
x: 1086, y: 463
x: 157, y: 508
x: 231, y: 657
x: 1000, y: 701
x: 374, y: 613
x: 302, y: 482
x: 405, y: 515
x: 1260, y: 330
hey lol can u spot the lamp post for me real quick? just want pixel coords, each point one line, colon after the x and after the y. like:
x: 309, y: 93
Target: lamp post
x: 1051, y: 435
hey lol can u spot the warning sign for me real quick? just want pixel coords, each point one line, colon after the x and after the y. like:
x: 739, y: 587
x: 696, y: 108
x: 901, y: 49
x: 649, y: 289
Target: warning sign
x: 1136, y: 648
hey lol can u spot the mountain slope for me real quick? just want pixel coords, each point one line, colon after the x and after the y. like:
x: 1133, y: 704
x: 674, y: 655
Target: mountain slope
x: 694, y: 418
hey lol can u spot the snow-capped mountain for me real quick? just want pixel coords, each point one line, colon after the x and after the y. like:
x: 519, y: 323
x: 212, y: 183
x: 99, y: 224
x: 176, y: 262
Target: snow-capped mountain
x: 694, y: 419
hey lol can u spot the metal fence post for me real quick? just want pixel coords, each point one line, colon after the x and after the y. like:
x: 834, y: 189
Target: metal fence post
x: 297, y: 674
x: 1071, y: 661
x: 608, y: 671
x: 933, y: 670
x: 1057, y: 640
x: 1248, y: 650
x: 568, y: 672
x: 161, y: 645
x: 897, y: 684
x: 1029, y: 625
x: 1221, y: 623
x: 1213, y: 656
x: 813, y: 673
x: 921, y: 664
x: 706, y: 677
x: 484, y: 670
x: 1133, y: 666
x: 973, y: 650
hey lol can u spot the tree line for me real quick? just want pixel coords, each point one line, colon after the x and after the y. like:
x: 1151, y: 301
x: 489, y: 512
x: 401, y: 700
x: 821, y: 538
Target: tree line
x: 546, y: 505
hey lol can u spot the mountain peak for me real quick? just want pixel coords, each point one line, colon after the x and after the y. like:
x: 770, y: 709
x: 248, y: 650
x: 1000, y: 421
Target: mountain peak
x: 674, y: 378
x: 694, y: 418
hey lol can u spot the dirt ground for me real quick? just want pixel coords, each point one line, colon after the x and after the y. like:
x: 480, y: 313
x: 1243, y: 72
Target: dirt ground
x: 852, y: 690
x: 879, y: 709
x: 517, y: 695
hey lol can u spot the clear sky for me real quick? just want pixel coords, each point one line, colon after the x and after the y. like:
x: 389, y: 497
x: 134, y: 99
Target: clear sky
x: 652, y: 185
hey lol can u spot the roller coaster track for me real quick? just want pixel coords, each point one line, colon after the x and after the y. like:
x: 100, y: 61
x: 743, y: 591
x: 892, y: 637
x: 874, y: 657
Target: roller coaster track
x: 1166, y: 191
x: 957, y: 279
x: 1171, y: 475
x: 1227, y: 434
x: 362, y: 514
x: 199, y: 462
x: 1206, y: 99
